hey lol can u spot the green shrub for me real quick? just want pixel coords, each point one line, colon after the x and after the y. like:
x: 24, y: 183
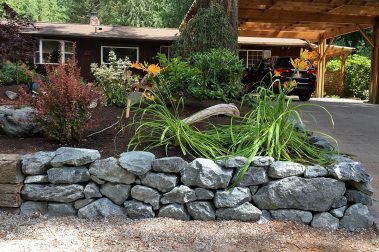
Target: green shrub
x: 115, y: 79
x: 12, y: 73
x: 208, y: 29
x: 177, y: 75
x: 357, y: 75
x: 221, y: 72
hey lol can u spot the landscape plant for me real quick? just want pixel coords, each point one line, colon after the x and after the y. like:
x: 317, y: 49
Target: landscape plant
x: 11, y: 73
x: 269, y: 129
x: 62, y: 102
x: 221, y: 72
x: 357, y: 75
x: 115, y: 79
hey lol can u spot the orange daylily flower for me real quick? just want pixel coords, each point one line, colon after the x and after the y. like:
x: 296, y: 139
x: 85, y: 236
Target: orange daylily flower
x: 136, y: 65
x: 153, y: 70
x: 276, y: 73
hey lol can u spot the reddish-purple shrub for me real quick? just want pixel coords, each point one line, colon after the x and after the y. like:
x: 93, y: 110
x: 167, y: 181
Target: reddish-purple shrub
x: 62, y: 102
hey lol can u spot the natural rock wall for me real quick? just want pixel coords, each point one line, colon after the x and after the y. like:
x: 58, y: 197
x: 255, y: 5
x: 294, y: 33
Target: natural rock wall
x: 73, y: 181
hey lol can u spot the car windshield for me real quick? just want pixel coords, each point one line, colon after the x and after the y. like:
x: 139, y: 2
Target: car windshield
x: 283, y: 63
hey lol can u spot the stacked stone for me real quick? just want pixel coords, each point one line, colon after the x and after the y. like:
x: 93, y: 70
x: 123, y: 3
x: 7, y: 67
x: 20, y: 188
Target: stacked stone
x: 74, y: 181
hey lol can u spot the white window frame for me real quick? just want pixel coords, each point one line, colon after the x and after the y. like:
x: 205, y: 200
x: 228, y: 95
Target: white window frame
x: 264, y: 53
x: 62, y: 52
x: 109, y: 46
x: 168, y: 50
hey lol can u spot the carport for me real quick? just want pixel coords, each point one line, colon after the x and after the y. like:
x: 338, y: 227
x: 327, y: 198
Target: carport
x: 316, y: 21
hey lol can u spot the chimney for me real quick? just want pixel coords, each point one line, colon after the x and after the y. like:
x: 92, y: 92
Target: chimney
x: 94, y: 21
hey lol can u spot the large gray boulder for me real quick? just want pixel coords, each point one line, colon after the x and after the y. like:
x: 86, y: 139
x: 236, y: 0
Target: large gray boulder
x: 292, y: 215
x: 232, y: 198
x: 92, y: 191
x: 363, y: 187
x: 315, y: 171
x: 244, y: 212
x: 169, y: 164
x: 255, y: 175
x: 321, y: 143
x: 262, y: 161
x: 346, y: 171
x: 317, y: 194
x: 138, y: 210
x: 55, y: 193
x: 174, y: 211
x: 201, y: 210
x: 100, y: 208
x: 147, y: 195
x: 340, y: 203
x: 283, y: 169
x: 109, y: 170
x: 207, y: 174
x: 60, y: 209
x: 325, y: 220
x: 118, y: 193
x: 30, y: 208
x: 204, y: 194
x: 161, y: 181
x: 36, y: 163
x: 68, y: 175
x: 358, y: 197
x: 356, y: 217
x: 74, y: 156
x: 36, y: 179
x: 180, y: 194
x: 18, y: 121
x: 136, y: 162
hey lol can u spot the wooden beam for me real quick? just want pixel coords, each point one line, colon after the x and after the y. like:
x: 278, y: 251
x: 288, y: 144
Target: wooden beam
x: 313, y: 36
x: 252, y: 15
x: 314, y: 48
x: 374, y: 87
x: 321, y: 68
x: 323, y: 56
x: 342, y: 73
x: 365, y: 36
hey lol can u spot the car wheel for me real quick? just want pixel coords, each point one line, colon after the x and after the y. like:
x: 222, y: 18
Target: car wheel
x: 305, y: 97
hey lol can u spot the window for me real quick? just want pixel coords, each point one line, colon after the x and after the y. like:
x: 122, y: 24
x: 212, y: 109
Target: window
x: 167, y: 50
x: 121, y: 52
x: 51, y: 51
x: 251, y: 57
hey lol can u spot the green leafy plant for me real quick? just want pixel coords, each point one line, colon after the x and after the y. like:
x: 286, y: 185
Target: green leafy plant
x: 11, y: 73
x: 115, y: 79
x: 221, y: 72
x: 62, y: 102
x: 177, y: 75
x: 208, y: 29
x: 357, y: 75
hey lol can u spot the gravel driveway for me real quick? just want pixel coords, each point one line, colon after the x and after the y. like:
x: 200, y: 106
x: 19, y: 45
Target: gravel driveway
x: 18, y: 233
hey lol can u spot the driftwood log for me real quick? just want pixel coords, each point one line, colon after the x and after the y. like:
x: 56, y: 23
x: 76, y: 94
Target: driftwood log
x: 219, y: 109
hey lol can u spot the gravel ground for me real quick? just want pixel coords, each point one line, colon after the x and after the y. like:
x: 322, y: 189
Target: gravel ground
x: 19, y: 233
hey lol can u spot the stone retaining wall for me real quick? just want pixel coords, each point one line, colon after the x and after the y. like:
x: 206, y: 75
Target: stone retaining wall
x: 137, y: 185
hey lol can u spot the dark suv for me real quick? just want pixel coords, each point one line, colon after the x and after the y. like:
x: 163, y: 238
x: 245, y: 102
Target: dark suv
x: 262, y: 72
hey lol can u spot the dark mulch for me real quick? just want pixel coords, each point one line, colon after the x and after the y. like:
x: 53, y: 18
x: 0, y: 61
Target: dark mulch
x: 109, y: 143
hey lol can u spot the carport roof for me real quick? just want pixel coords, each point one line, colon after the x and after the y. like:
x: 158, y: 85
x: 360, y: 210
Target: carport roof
x: 303, y: 19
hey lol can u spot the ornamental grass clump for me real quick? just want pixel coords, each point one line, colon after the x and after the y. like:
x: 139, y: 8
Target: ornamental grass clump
x: 62, y: 102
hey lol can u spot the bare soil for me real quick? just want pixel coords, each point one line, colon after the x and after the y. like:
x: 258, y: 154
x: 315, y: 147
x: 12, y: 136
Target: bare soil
x: 110, y: 142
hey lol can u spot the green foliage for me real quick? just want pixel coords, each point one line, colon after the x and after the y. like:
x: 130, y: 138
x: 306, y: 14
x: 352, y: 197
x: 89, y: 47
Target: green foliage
x: 221, y: 75
x: 165, y: 13
x: 12, y: 73
x: 269, y: 129
x: 357, y: 41
x: 208, y: 29
x: 115, y: 79
x: 357, y: 75
x: 178, y: 75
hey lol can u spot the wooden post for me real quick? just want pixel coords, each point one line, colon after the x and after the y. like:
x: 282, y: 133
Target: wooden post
x: 374, y: 87
x: 321, y: 67
x: 342, y: 74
